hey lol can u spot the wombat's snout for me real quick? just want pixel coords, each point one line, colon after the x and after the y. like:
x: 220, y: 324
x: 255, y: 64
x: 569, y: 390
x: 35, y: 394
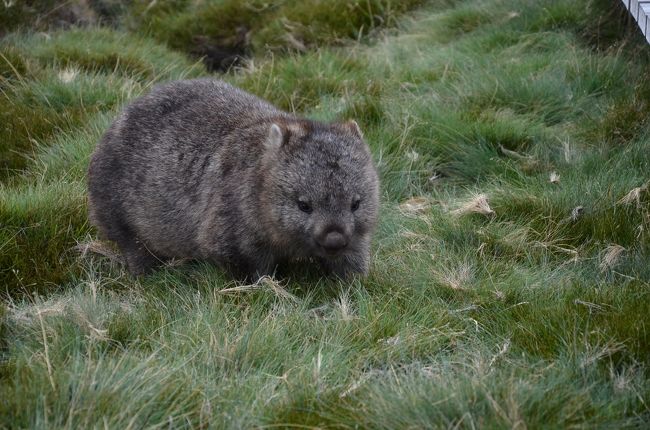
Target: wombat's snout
x: 333, y: 242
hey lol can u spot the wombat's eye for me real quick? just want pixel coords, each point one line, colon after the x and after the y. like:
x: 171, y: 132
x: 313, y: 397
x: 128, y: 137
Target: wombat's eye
x: 355, y: 205
x: 304, y: 206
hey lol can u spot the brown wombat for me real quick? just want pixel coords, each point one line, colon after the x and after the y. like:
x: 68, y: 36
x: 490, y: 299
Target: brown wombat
x: 200, y: 169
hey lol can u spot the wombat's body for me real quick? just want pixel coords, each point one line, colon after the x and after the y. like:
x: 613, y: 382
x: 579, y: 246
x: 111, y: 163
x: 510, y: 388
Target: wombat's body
x: 199, y: 169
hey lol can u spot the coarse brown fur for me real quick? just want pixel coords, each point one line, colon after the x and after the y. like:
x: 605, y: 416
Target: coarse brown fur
x: 200, y: 169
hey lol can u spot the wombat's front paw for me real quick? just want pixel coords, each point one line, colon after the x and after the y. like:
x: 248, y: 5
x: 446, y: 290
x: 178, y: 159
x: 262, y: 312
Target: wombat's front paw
x: 347, y: 266
x: 139, y: 260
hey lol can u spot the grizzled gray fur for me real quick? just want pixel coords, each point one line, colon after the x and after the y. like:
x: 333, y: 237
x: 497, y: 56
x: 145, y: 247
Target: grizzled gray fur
x: 202, y: 170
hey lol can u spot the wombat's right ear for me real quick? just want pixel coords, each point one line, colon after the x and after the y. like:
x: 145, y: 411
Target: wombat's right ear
x: 276, y: 137
x: 354, y: 128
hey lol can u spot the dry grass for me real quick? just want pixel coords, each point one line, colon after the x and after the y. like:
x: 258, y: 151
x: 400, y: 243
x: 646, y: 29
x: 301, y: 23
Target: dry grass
x: 478, y: 204
x: 265, y: 283
x: 611, y: 257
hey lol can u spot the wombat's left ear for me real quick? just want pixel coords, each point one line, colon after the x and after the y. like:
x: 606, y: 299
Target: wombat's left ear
x: 353, y: 127
x: 275, y: 138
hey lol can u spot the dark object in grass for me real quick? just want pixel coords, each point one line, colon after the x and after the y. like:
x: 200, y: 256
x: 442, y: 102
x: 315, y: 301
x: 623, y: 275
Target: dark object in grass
x: 223, y: 55
x: 220, y: 59
x: 202, y: 170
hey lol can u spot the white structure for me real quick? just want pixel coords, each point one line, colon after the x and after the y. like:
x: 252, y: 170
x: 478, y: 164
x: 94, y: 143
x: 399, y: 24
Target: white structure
x: 640, y: 10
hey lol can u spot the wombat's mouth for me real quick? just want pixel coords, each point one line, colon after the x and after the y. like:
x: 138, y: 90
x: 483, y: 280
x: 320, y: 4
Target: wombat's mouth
x: 331, y: 254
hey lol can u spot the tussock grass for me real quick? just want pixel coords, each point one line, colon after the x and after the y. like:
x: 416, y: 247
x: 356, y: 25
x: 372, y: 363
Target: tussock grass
x: 276, y: 25
x: 509, y: 281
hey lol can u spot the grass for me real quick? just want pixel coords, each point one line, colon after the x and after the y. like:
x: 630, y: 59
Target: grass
x: 275, y: 25
x: 509, y: 283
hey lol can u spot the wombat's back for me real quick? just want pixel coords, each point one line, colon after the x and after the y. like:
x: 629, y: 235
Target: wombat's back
x: 187, y: 110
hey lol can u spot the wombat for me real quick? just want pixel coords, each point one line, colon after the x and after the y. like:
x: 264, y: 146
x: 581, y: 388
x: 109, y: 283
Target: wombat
x: 200, y: 169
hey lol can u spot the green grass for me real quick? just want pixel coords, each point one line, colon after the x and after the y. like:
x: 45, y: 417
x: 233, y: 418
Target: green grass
x: 274, y: 25
x: 52, y: 84
x: 529, y: 313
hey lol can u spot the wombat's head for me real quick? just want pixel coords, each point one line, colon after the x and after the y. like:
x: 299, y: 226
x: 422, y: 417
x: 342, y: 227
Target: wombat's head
x: 320, y: 191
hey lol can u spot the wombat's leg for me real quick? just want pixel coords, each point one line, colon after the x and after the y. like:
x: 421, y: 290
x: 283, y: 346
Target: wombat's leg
x: 246, y: 268
x: 139, y: 259
x: 261, y: 267
x: 348, y: 265
x: 112, y: 226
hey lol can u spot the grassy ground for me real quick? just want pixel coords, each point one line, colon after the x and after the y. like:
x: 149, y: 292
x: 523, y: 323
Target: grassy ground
x: 510, y: 283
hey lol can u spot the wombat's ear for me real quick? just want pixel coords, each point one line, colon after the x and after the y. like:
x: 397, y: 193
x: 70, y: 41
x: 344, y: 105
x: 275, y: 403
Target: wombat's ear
x: 354, y: 128
x: 276, y: 136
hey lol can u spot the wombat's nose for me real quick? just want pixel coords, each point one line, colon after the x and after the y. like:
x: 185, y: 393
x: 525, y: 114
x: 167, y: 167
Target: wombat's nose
x: 333, y: 242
